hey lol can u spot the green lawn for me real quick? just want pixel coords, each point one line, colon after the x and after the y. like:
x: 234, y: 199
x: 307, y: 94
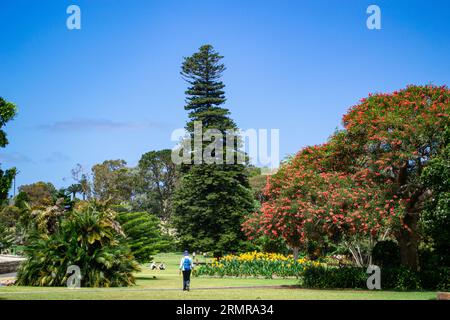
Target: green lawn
x: 166, y: 284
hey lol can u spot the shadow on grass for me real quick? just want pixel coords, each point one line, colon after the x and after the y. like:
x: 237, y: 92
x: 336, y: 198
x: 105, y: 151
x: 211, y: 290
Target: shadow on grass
x: 147, y: 278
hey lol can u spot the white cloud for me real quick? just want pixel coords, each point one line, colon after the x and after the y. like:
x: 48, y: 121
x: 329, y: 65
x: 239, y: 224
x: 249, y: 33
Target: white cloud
x: 57, y: 157
x: 14, y: 157
x: 96, y: 124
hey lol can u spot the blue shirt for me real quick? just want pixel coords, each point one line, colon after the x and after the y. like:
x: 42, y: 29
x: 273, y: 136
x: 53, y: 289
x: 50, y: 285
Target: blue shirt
x: 182, y: 263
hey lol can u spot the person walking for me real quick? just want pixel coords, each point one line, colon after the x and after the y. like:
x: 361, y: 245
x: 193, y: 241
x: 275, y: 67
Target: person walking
x: 186, y: 266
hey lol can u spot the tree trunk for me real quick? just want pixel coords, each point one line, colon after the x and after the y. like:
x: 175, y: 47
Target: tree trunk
x: 295, y: 251
x: 408, y: 241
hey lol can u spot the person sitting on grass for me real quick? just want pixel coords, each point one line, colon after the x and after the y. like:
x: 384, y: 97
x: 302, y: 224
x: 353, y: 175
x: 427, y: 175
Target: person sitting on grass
x: 186, y: 266
x: 161, y: 266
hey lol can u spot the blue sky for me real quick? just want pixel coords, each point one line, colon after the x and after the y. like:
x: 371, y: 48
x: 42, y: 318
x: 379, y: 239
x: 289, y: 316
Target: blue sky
x: 113, y: 89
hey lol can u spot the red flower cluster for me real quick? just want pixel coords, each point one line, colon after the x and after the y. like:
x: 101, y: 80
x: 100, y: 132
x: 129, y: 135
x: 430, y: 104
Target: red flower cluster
x: 306, y: 200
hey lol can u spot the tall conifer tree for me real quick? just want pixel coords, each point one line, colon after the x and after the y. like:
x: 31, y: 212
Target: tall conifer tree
x: 211, y: 198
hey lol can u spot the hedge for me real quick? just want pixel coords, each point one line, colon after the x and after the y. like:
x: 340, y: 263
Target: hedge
x: 398, y: 278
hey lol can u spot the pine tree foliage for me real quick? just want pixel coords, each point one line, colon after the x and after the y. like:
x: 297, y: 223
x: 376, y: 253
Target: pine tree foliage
x: 205, y: 94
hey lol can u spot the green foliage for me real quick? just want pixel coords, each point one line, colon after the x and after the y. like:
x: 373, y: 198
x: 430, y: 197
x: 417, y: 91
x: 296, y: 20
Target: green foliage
x: 75, y: 188
x: 436, y: 224
x: 392, y: 278
x: 209, y: 206
x: 6, y: 238
x: 39, y: 194
x: 88, y: 237
x: 46, y: 220
x: 437, y: 278
x: 21, y: 200
x: 157, y: 176
x: 400, y: 278
x: 268, y: 244
x: 113, y: 181
x: 7, y: 112
x: 386, y: 254
x: 63, y: 197
x: 253, y: 171
x: 17, y: 220
x: 6, y: 179
x: 143, y: 234
x: 435, y: 220
x: 9, y: 216
x: 323, y: 277
x: 202, y: 71
x: 258, y: 183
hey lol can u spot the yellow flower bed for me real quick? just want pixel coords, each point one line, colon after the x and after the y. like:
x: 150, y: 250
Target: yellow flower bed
x: 255, y: 264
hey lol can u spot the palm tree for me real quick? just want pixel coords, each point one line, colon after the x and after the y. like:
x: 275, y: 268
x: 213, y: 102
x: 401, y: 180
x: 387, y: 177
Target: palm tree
x: 74, y: 189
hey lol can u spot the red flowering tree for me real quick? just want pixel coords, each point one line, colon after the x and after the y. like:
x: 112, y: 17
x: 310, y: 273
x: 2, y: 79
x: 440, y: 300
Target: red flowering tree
x: 366, y: 181
x: 394, y: 136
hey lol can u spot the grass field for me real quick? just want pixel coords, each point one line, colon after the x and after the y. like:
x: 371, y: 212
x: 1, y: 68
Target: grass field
x: 166, y: 284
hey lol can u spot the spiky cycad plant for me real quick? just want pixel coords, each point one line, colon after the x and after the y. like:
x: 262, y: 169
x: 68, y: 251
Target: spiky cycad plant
x: 87, y: 237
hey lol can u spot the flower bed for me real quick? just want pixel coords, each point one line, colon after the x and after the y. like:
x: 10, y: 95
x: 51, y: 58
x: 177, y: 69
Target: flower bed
x: 257, y: 264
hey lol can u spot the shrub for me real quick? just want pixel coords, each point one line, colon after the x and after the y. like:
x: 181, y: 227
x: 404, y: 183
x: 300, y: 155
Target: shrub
x: 400, y: 278
x: 435, y: 222
x: 9, y: 216
x: 87, y: 237
x: 324, y: 277
x: 436, y: 279
x: 386, y: 254
x: 435, y: 219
